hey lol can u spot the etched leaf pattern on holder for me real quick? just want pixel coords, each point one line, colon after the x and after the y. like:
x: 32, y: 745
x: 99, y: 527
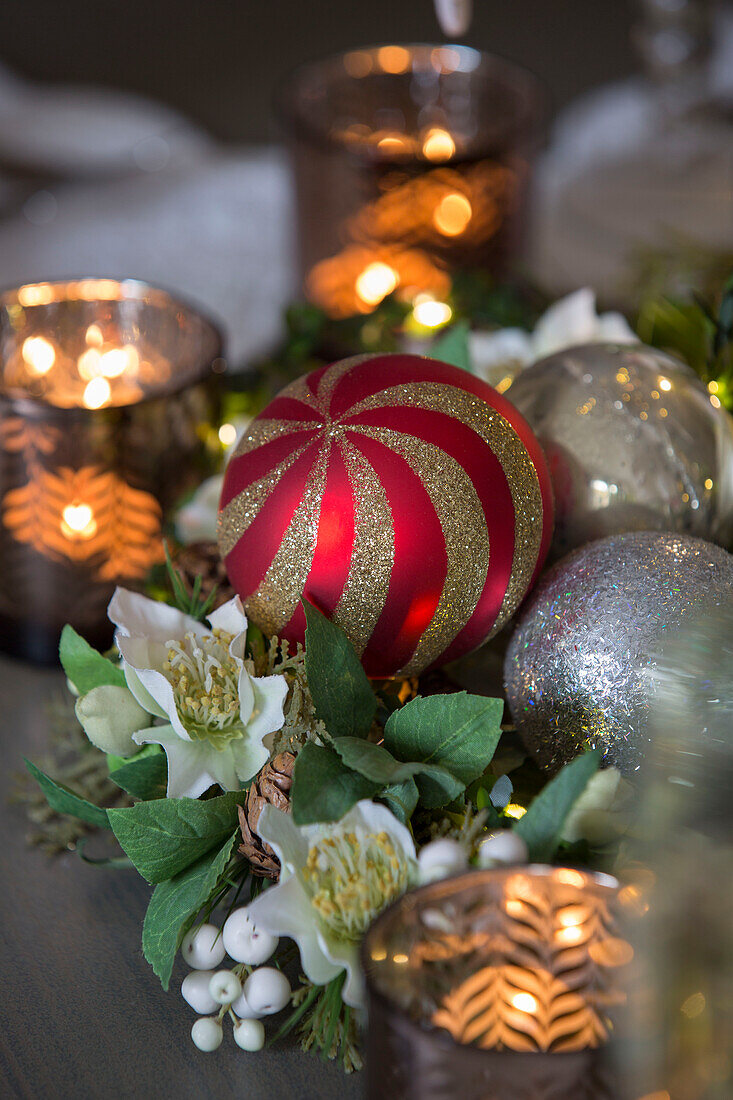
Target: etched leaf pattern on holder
x: 535, y: 977
x: 124, y: 541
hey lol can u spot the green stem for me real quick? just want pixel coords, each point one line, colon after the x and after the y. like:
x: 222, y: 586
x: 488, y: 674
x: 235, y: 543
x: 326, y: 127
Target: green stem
x: 292, y: 1020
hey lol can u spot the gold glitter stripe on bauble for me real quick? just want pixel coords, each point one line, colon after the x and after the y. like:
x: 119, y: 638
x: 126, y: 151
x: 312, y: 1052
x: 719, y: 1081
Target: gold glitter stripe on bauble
x: 329, y: 380
x: 275, y: 601
x: 499, y: 435
x: 367, y: 585
x: 299, y: 390
x: 452, y: 495
x: 236, y: 517
x: 264, y: 431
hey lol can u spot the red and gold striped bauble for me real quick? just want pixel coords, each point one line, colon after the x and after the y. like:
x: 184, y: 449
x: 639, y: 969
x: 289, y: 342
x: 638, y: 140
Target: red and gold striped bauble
x: 402, y: 496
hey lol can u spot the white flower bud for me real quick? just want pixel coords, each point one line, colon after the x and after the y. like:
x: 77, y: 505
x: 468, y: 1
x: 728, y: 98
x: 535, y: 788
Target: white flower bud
x: 195, y: 991
x: 249, y: 1034
x: 502, y: 846
x: 441, y: 858
x: 207, y: 1034
x: 202, y: 947
x: 225, y: 987
x: 109, y: 716
x: 244, y: 942
x: 267, y: 990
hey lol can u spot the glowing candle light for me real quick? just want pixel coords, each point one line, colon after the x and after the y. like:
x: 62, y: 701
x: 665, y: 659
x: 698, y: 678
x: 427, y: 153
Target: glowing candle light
x: 452, y: 214
x: 376, y: 281
x: 78, y: 522
x: 114, y: 362
x: 525, y: 1002
x: 97, y: 393
x: 38, y: 354
x: 94, y: 337
x: 438, y: 145
x: 431, y: 313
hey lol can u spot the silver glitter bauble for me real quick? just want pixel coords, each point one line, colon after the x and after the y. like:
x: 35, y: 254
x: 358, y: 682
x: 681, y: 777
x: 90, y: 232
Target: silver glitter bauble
x: 634, y: 442
x: 580, y: 668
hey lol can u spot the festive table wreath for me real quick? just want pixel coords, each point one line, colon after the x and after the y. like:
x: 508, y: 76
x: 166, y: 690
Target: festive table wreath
x: 396, y: 510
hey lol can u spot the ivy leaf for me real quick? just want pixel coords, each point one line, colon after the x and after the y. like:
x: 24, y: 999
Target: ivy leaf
x: 452, y: 347
x: 324, y: 789
x: 174, y: 905
x: 542, y: 824
x: 401, y: 799
x: 342, y: 694
x: 85, y: 667
x: 144, y: 777
x: 377, y: 764
x: 459, y: 732
x: 64, y: 801
x: 165, y: 836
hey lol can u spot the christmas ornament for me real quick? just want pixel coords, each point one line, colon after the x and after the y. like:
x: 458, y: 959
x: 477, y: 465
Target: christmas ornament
x: 402, y: 496
x: 272, y: 785
x: 580, y: 668
x: 634, y: 442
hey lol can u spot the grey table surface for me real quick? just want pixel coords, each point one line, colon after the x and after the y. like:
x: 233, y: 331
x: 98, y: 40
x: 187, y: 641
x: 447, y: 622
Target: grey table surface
x: 82, y: 1016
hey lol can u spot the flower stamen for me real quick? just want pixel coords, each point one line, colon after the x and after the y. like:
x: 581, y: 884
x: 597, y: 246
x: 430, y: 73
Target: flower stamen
x: 205, y: 681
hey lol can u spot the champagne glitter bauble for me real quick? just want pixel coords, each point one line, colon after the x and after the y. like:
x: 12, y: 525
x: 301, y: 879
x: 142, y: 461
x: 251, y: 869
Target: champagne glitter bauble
x: 403, y: 497
x: 580, y: 668
x: 634, y: 443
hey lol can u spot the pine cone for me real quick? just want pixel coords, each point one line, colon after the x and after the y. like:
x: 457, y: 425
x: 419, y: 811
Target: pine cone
x: 201, y: 559
x: 272, y: 786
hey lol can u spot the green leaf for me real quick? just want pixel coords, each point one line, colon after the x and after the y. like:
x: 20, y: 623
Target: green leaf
x: 114, y: 763
x: 459, y: 732
x: 342, y: 694
x: 376, y: 763
x: 452, y: 347
x: 85, y: 667
x: 324, y: 789
x: 174, y: 905
x: 165, y: 836
x: 64, y: 801
x: 542, y: 824
x: 401, y: 799
x: 144, y: 777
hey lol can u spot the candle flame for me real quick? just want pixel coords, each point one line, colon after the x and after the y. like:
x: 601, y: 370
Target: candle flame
x: 524, y: 1002
x: 376, y: 281
x: 452, y: 214
x: 431, y: 313
x: 78, y: 522
x: 438, y: 144
x: 97, y: 393
x: 94, y: 336
x: 114, y: 362
x: 39, y: 354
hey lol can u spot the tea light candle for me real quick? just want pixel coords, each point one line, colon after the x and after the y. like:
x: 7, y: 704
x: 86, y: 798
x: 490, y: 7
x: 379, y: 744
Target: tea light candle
x: 495, y: 979
x: 411, y: 162
x: 104, y: 389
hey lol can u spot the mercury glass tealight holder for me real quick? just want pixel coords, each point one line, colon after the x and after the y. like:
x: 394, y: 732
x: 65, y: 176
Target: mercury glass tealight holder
x: 106, y: 389
x: 410, y: 163
x: 498, y: 983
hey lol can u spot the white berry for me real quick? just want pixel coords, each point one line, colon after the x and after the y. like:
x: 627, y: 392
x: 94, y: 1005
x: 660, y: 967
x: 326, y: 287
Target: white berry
x: 441, y: 858
x: 225, y: 987
x: 249, y: 1034
x: 244, y: 942
x: 202, y: 947
x: 244, y: 1009
x: 207, y: 1034
x: 267, y: 990
x: 195, y: 990
x: 502, y: 846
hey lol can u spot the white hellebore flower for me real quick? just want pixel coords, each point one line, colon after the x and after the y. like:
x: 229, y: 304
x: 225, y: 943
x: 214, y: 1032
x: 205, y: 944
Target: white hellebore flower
x: 196, y: 519
x: 570, y: 321
x: 194, y: 677
x: 598, y: 815
x: 334, y: 880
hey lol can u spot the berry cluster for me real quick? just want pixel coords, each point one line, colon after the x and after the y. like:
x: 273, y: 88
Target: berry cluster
x: 245, y: 993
